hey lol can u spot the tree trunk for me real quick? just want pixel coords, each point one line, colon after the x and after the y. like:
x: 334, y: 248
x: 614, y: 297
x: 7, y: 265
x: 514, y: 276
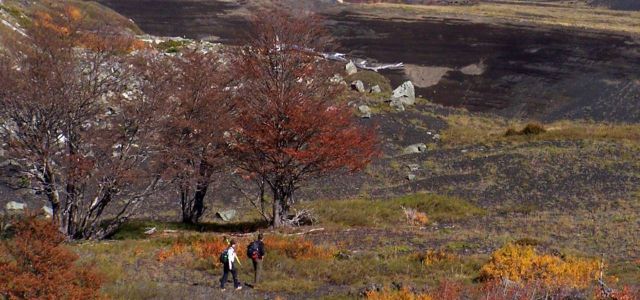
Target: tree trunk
x: 185, y: 203
x: 280, y: 211
x: 198, y: 200
x: 276, y: 221
x: 51, y: 192
x: 193, y: 206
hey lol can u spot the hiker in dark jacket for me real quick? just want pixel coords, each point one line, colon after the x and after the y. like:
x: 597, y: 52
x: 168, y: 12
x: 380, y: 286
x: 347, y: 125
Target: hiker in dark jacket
x: 255, y: 251
x: 230, y: 262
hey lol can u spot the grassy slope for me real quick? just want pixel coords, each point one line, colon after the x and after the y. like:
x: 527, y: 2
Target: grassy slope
x: 18, y: 13
x: 562, y: 14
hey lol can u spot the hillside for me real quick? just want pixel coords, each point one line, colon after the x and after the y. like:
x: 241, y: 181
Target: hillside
x: 16, y: 14
x: 515, y: 172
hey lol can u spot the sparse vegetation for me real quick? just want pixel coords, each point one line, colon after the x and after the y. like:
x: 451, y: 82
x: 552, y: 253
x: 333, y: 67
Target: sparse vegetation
x: 374, y: 213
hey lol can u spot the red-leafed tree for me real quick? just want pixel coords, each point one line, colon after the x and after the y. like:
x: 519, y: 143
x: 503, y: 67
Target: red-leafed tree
x: 198, y: 115
x: 289, y: 127
x: 35, y: 265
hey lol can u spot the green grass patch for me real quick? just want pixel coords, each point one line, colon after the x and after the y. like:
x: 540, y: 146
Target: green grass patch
x: 388, y: 212
x: 171, y: 46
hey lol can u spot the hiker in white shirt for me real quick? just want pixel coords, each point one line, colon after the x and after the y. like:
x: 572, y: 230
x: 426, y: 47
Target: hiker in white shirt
x: 230, y: 262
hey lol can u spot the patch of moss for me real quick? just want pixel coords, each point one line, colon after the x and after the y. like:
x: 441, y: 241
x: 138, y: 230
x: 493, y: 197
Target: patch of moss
x: 171, y: 46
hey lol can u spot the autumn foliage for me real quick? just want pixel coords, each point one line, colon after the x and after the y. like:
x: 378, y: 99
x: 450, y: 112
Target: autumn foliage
x: 290, y: 128
x: 522, y: 263
x: 35, y: 265
x: 298, y: 248
x: 210, y: 249
x: 87, y: 143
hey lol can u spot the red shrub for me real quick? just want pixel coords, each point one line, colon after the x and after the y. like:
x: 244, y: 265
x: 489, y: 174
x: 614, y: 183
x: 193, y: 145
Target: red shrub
x: 35, y: 265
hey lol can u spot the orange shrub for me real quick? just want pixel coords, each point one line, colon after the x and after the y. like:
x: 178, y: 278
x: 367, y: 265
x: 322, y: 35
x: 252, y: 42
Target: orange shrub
x: 415, y: 217
x: 176, y: 249
x: 434, y: 256
x: 202, y: 248
x: 522, y: 263
x: 298, y: 248
x: 403, y: 294
x: 35, y: 265
x: 448, y: 290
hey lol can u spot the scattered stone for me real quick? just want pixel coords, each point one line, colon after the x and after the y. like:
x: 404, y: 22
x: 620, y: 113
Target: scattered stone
x: 365, y: 111
x: 351, y: 68
x: 15, y: 206
x: 405, y: 93
x: 151, y: 231
x: 336, y: 79
x: 415, y: 148
x: 227, y: 215
x: 411, y: 177
x: 375, y: 89
x: 436, y: 136
x: 413, y: 167
x: 474, y: 69
x: 48, y: 211
x: 358, y: 86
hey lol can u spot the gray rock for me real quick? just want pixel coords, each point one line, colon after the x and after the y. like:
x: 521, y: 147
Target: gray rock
x: 15, y: 206
x: 375, y: 89
x: 358, y: 86
x: 413, y: 167
x: 411, y: 177
x: 351, y: 68
x: 336, y: 79
x: 405, y: 93
x: 48, y: 211
x: 397, y: 104
x: 415, y: 148
x: 227, y: 215
x: 365, y: 111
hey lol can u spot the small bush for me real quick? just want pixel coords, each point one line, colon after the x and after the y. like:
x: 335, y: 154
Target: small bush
x: 34, y: 264
x: 415, y: 217
x: 529, y: 129
x: 431, y: 256
x: 522, y: 263
x: 298, y: 248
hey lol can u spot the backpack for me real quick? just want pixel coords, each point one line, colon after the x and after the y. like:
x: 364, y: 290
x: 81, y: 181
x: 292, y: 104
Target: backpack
x: 224, y: 257
x: 253, y: 251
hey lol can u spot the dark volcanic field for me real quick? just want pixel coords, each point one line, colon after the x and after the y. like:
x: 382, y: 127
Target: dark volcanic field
x: 543, y: 73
